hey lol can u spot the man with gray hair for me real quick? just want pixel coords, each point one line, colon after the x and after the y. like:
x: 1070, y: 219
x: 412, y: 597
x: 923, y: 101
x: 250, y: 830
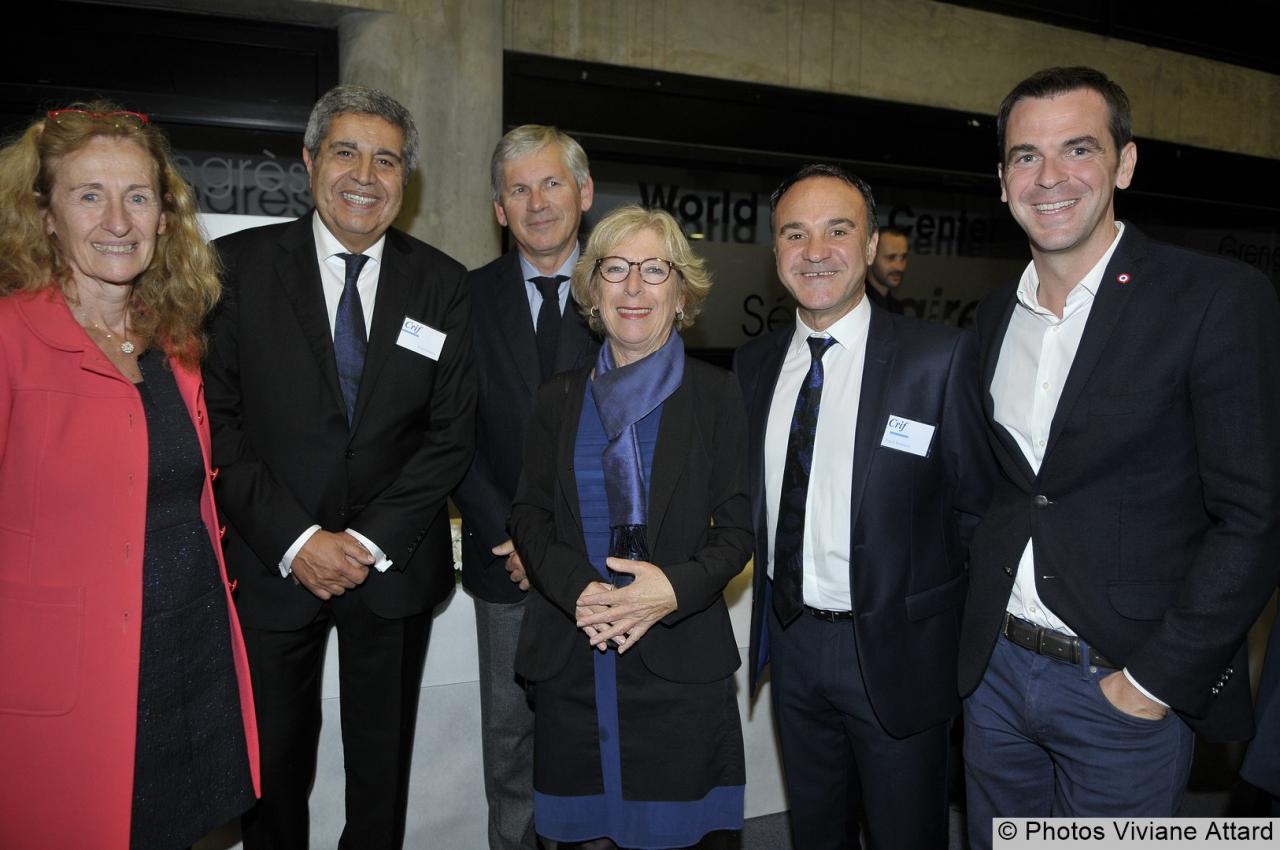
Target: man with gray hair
x: 527, y: 328
x: 342, y: 402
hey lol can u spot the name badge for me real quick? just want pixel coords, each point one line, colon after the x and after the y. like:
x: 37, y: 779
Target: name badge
x: 908, y: 435
x: 420, y: 338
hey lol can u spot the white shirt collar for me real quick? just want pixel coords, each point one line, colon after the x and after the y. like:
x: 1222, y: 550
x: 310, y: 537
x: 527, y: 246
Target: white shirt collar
x: 849, y: 330
x: 328, y: 245
x: 1086, y: 289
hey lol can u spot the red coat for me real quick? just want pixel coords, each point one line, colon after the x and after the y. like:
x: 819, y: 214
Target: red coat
x: 73, y: 502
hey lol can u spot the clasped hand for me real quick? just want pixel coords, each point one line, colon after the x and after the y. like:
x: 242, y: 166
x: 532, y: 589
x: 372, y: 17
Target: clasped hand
x: 623, y: 615
x: 331, y: 563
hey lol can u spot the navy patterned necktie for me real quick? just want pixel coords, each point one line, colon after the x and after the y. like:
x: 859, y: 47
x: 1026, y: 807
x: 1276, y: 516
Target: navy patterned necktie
x: 350, y: 341
x: 788, y: 548
x: 548, y: 326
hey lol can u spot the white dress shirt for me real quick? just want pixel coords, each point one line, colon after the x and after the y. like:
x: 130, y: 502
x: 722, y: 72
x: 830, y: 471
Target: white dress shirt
x: 1035, y: 358
x: 828, y: 503
x: 333, y: 279
x: 531, y: 290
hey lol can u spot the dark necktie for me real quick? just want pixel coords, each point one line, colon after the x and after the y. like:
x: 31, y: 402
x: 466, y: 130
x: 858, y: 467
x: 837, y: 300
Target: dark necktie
x: 548, y: 327
x: 788, y: 548
x: 349, y: 338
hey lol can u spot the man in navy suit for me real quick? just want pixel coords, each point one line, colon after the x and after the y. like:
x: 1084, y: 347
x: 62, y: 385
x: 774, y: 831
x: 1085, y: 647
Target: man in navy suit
x: 342, y: 403
x: 527, y: 327
x: 1132, y: 392
x: 869, y: 470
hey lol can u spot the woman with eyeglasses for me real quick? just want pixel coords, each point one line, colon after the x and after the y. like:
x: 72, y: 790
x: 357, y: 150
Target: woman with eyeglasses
x: 126, y: 718
x: 631, y: 517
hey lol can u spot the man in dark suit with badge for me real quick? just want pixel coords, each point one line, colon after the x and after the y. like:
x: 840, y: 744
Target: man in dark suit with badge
x: 1132, y: 394
x: 868, y: 470
x: 527, y: 328
x: 342, y: 400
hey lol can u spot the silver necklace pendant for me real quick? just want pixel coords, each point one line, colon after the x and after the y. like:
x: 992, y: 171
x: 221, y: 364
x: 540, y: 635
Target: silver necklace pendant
x: 126, y: 347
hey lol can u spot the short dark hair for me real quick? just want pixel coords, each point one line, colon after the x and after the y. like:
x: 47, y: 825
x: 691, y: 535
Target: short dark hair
x: 820, y: 169
x: 1052, y: 82
x: 891, y: 230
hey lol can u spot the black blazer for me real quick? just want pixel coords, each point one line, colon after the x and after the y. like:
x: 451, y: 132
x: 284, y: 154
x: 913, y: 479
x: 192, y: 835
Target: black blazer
x: 507, y: 374
x: 286, y: 456
x: 699, y: 527
x: 911, y: 517
x: 1155, y: 518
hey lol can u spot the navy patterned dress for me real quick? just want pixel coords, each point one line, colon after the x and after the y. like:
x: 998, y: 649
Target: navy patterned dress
x: 191, y: 768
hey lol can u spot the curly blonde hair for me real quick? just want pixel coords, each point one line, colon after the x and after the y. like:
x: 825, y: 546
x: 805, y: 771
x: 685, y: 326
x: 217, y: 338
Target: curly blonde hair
x: 171, y: 298
x: 692, y: 276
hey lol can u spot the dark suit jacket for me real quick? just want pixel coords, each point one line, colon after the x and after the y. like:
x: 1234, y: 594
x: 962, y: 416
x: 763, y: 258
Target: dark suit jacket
x: 888, y: 301
x: 699, y: 527
x: 506, y: 358
x: 280, y: 434
x: 1155, y: 518
x: 911, y: 517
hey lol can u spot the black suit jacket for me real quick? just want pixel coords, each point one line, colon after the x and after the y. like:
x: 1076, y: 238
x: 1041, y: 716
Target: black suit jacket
x: 507, y: 374
x: 1155, y: 517
x: 888, y: 301
x: 699, y: 527
x: 286, y: 456
x: 911, y: 517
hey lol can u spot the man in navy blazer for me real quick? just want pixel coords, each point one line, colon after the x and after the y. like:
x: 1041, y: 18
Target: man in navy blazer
x: 863, y: 656
x: 541, y: 188
x: 1132, y: 392
x: 342, y: 404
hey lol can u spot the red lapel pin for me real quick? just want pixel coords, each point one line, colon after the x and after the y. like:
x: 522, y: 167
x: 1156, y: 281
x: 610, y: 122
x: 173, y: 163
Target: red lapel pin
x: 1123, y: 277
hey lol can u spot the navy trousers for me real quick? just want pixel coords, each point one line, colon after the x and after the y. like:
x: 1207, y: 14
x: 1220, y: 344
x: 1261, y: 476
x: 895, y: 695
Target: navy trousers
x: 838, y: 762
x: 1041, y: 740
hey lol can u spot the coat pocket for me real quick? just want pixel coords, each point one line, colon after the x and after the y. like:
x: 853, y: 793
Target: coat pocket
x: 934, y: 600
x: 1143, y: 600
x: 41, y: 640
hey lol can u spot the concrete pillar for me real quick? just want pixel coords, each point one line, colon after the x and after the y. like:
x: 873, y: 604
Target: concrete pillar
x: 444, y: 62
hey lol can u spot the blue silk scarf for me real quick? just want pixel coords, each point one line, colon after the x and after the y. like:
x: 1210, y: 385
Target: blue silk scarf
x: 624, y: 395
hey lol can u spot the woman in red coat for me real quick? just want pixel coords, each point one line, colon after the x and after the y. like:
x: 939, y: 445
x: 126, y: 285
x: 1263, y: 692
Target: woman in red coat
x: 125, y: 711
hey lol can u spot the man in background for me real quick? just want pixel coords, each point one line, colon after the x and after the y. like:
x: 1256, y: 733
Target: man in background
x: 888, y: 269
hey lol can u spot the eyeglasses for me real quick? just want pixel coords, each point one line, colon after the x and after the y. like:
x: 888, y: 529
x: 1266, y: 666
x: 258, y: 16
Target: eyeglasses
x: 653, y: 271
x: 118, y: 118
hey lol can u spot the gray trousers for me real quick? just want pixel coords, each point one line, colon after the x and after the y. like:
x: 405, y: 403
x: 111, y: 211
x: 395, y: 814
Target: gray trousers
x: 506, y: 728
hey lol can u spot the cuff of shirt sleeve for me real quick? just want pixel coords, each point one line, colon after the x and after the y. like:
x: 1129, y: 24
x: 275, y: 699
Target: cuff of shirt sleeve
x: 286, y: 563
x: 1146, y: 693
x: 380, y: 560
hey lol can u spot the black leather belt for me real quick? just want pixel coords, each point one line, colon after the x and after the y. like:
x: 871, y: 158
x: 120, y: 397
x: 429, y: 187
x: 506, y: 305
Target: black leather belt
x: 1046, y: 642
x: 829, y: 616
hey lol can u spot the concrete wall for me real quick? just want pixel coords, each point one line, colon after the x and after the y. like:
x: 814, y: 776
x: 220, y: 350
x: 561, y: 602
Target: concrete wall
x: 443, y: 59
x: 912, y: 51
x: 444, y: 62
